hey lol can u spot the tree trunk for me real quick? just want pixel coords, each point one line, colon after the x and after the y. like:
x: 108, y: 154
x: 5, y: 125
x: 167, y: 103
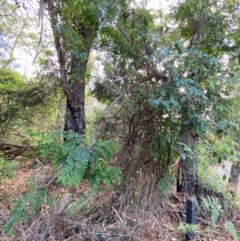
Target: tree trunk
x: 73, y: 65
x: 234, y: 175
x: 188, y: 177
x: 235, y: 172
x: 187, y: 174
x: 75, y: 114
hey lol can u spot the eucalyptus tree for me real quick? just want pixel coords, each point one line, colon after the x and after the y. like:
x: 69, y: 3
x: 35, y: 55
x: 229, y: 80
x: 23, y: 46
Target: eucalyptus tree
x: 18, y: 35
x: 75, y: 25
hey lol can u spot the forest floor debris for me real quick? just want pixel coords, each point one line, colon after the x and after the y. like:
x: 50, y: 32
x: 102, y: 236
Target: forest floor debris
x: 102, y: 218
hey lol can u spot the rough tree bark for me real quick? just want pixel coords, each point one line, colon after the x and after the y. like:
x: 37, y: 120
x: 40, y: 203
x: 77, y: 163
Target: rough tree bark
x: 73, y: 69
x: 75, y: 104
x: 187, y: 173
x: 235, y: 172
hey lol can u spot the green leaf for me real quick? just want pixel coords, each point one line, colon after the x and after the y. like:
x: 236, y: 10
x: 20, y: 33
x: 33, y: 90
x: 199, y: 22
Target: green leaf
x: 224, y: 177
x: 165, y: 185
x: 183, y: 156
x: 235, y: 54
x: 229, y: 226
x: 164, y: 53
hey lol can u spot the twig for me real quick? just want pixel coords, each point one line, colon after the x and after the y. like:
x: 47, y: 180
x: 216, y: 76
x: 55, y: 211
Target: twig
x: 40, y: 163
x: 63, y: 202
x: 3, y: 3
x: 154, y: 74
x: 119, y: 28
x: 117, y: 214
x: 53, y: 179
x: 42, y: 6
x: 134, y: 220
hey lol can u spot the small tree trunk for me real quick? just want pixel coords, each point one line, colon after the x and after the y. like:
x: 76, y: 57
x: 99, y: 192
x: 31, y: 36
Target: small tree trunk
x: 235, y: 172
x: 187, y: 176
x: 75, y: 100
x: 234, y: 175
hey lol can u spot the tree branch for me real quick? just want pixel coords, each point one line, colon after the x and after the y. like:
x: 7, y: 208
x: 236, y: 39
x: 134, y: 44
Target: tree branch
x: 58, y: 46
x: 155, y: 74
x: 17, y: 40
x: 3, y: 3
x: 125, y: 35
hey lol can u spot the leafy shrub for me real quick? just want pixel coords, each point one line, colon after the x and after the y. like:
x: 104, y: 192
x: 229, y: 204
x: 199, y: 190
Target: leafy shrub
x: 26, y: 205
x: 79, y: 160
x: 165, y: 185
x: 7, y: 168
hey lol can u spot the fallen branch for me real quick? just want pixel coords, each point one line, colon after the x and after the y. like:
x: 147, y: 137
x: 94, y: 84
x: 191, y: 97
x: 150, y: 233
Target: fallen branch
x: 62, y: 205
x: 117, y: 214
x: 58, y: 210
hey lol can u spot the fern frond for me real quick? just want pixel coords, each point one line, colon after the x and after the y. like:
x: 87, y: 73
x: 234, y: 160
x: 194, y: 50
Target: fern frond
x: 75, y: 167
x: 79, y: 160
x: 81, y: 204
x: 230, y: 228
x: 105, y: 149
x: 187, y: 227
x: 30, y: 202
x: 211, y: 205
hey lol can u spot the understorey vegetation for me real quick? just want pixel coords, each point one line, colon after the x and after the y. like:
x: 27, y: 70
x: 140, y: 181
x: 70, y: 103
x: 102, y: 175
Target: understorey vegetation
x: 128, y: 111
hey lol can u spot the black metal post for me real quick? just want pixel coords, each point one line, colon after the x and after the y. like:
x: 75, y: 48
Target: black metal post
x: 179, y: 181
x: 191, y: 217
x: 179, y: 185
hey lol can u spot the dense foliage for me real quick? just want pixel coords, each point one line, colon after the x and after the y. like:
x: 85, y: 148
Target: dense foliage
x: 177, y: 79
x: 170, y: 83
x: 20, y: 102
x: 80, y: 160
